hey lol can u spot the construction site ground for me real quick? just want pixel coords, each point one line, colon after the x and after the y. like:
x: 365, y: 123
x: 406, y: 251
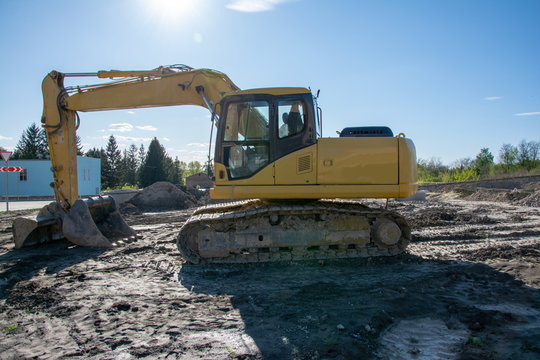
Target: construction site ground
x: 468, y: 287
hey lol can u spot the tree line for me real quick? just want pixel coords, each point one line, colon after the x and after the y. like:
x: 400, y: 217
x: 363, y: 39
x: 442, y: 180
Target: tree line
x: 517, y: 160
x: 135, y: 166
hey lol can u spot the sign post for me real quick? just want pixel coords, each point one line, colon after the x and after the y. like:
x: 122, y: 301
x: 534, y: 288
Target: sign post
x: 6, y: 155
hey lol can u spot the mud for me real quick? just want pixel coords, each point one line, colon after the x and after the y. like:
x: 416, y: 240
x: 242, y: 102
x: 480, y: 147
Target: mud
x: 468, y: 287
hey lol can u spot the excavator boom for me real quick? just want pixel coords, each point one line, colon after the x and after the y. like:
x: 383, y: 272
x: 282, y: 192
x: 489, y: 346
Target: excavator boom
x: 96, y: 222
x: 137, y: 90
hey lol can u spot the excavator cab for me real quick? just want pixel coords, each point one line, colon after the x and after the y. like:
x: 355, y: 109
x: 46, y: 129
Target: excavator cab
x: 256, y: 129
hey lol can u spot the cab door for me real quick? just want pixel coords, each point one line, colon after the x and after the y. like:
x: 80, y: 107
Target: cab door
x: 244, y: 148
x: 294, y: 141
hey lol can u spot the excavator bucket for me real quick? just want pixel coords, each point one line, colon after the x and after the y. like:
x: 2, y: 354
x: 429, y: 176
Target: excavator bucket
x: 92, y: 222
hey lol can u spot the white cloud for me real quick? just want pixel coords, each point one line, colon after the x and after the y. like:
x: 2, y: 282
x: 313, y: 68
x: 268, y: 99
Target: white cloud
x: 253, y: 5
x: 130, y: 139
x: 198, y: 145
x: 146, y: 128
x: 5, y: 138
x: 121, y: 127
x: 197, y: 37
x: 166, y: 139
x: 101, y: 130
x: 188, y: 155
x: 130, y: 112
x: 528, y: 113
x: 492, y: 98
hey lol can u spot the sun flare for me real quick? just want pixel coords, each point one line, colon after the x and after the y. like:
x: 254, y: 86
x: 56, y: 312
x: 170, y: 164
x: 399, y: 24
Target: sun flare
x: 171, y: 10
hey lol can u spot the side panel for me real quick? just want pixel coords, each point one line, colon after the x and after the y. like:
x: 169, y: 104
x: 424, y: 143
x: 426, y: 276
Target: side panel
x: 298, y: 168
x: 358, y: 161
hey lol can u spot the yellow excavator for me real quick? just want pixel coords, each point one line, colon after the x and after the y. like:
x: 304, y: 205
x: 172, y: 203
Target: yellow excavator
x: 269, y: 152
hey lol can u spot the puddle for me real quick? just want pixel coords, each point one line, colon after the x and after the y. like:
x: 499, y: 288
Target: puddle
x: 421, y: 339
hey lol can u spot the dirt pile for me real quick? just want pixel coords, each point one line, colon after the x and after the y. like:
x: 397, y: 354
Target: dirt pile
x: 165, y: 196
x: 534, y: 198
x: 160, y: 196
x: 523, y: 194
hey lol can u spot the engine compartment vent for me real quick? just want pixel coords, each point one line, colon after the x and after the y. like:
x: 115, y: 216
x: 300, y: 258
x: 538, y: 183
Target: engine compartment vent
x: 304, y: 163
x: 366, y: 131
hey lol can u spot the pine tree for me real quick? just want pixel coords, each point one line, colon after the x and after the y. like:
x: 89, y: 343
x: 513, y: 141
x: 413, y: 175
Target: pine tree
x: 110, y: 174
x: 153, y: 168
x: 176, y: 174
x: 141, y: 155
x: 129, y: 166
x: 33, y: 144
x: 80, y: 150
x: 95, y: 153
x: 168, y: 166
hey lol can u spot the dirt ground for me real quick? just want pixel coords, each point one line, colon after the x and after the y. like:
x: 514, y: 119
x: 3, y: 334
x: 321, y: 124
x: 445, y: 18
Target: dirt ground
x: 468, y: 287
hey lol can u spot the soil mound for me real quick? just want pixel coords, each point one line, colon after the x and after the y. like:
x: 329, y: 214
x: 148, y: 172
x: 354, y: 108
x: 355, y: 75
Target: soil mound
x: 163, y: 196
x: 499, y: 195
x: 531, y: 200
x: 526, y: 194
x: 127, y: 208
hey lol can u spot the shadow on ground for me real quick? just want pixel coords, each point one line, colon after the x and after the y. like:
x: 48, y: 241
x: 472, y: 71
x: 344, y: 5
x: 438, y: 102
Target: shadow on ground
x: 402, y: 307
x: 18, y: 265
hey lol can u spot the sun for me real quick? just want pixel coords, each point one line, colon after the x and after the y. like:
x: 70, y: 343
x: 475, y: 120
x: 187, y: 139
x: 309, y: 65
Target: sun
x: 171, y: 10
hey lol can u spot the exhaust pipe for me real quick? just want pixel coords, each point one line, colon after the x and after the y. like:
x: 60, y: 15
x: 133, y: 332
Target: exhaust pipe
x: 94, y: 222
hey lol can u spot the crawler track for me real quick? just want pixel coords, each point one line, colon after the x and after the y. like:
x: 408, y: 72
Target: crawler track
x: 260, y: 231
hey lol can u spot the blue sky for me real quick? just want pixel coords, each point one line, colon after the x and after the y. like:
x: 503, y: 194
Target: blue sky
x: 455, y: 76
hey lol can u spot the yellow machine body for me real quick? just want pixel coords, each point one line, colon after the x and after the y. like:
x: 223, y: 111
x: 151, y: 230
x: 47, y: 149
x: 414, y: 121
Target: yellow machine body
x: 332, y: 168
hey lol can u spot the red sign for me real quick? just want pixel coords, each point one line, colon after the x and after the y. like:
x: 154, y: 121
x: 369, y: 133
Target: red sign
x: 11, y: 169
x: 6, y: 155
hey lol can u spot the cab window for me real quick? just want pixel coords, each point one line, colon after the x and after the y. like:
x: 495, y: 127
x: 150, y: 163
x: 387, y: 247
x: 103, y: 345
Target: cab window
x: 290, y: 118
x: 246, y: 138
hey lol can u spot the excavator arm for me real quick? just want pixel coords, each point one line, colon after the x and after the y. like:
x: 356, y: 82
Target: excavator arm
x: 96, y: 221
x: 164, y: 86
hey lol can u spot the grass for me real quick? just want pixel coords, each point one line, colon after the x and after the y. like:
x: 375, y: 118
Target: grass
x: 232, y: 354
x: 23, y: 211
